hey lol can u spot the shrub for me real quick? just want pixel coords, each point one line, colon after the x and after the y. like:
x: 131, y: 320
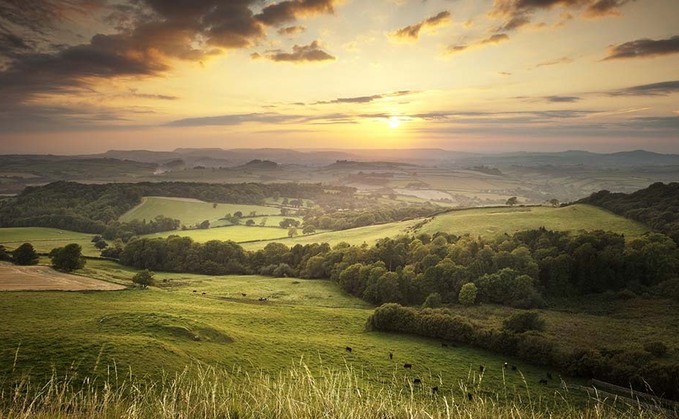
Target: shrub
x: 25, y: 255
x: 143, y: 278
x: 433, y: 300
x: 467, y: 294
x: 523, y: 322
x: 67, y: 258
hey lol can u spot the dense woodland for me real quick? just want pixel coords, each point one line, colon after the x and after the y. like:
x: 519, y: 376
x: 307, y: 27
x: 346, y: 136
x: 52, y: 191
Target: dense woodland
x: 656, y: 206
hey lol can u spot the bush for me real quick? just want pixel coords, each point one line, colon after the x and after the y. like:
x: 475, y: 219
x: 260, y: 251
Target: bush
x: 433, y: 300
x: 67, y: 258
x: 468, y: 294
x: 143, y: 278
x: 523, y: 322
x: 25, y: 255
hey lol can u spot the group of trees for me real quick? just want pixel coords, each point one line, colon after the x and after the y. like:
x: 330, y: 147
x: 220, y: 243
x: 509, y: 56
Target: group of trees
x: 520, y: 270
x: 65, y: 259
x: 656, y: 206
x: 375, y: 214
x: 520, y: 337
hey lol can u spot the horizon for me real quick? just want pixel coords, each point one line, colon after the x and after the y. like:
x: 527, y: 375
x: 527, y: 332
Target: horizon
x: 86, y: 76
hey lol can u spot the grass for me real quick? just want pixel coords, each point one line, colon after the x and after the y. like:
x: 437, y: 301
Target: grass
x: 354, y: 236
x: 190, y: 211
x: 46, y: 239
x: 295, y: 392
x: 237, y: 234
x: 168, y: 327
x: 494, y: 221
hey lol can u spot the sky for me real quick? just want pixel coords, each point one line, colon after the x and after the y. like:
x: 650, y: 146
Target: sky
x: 86, y: 76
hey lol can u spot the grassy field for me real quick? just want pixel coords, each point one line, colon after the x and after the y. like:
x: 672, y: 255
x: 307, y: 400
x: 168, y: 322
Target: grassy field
x: 166, y: 328
x: 239, y: 233
x: 354, y: 236
x: 493, y: 221
x: 190, y: 211
x: 46, y: 239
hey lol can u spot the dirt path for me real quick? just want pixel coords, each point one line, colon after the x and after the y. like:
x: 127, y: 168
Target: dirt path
x: 43, y: 278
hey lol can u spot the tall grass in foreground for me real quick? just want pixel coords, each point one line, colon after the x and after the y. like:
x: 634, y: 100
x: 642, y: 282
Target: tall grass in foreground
x: 206, y: 392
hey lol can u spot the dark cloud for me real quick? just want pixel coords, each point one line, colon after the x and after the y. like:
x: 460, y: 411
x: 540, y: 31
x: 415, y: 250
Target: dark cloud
x: 561, y: 99
x: 291, y: 30
x: 365, y: 99
x: 412, y: 32
x: 452, y: 49
x: 235, y: 119
x: 288, y: 11
x: 300, y: 53
x: 154, y: 96
x: 518, y: 13
x: 654, y: 89
x: 643, y: 48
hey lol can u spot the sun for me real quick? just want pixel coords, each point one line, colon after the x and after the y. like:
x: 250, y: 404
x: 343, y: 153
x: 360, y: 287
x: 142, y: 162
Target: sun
x: 394, y: 122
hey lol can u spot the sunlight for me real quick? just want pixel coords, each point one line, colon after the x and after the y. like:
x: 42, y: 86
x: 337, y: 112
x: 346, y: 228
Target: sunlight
x: 394, y: 122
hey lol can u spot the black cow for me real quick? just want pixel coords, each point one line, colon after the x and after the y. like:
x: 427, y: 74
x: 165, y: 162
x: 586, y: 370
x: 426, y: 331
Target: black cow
x: 482, y: 368
x: 195, y: 291
x: 417, y: 381
x: 243, y: 294
x: 391, y: 356
x: 470, y: 396
x: 408, y: 366
x: 348, y: 349
x: 434, y: 390
x: 204, y: 293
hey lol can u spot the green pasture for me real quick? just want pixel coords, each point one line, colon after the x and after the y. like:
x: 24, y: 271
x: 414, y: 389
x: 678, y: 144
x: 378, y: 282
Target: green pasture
x: 239, y: 233
x: 355, y: 236
x: 45, y: 239
x: 493, y: 221
x: 220, y: 321
x: 190, y: 211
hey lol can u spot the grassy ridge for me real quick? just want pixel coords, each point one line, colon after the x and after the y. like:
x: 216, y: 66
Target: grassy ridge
x: 493, y: 221
x: 190, y: 211
x: 237, y: 234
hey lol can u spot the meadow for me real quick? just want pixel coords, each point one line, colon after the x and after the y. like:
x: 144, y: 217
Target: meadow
x: 238, y: 234
x: 488, y: 222
x: 190, y: 211
x: 45, y: 239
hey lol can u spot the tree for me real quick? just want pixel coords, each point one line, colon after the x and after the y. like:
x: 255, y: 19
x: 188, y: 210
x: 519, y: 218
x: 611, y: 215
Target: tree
x: 204, y: 225
x: 523, y: 322
x: 467, y: 294
x: 308, y: 229
x: 250, y: 222
x: 433, y: 300
x: 238, y: 214
x: 67, y: 258
x: 512, y: 201
x: 554, y: 202
x: 25, y: 255
x: 292, y: 231
x: 5, y: 256
x: 101, y: 244
x: 143, y: 278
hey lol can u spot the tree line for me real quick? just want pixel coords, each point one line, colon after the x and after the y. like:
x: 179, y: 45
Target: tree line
x: 520, y: 270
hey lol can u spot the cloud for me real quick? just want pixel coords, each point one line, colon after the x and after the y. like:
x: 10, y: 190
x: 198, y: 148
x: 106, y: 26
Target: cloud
x: 366, y: 99
x: 300, y: 53
x: 654, y: 89
x: 518, y: 13
x: 291, y: 30
x: 412, y: 32
x: 154, y: 96
x: 288, y: 11
x: 234, y: 119
x: 562, y: 60
x: 495, y: 39
x: 644, y: 48
x: 561, y: 99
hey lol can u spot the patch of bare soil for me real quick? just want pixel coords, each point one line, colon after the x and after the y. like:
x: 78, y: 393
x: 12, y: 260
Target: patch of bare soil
x: 43, y: 278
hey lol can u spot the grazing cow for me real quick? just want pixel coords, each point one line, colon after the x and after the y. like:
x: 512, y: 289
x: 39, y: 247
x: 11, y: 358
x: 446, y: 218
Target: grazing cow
x: 408, y: 366
x: 263, y: 299
x: 195, y: 291
x: 348, y: 349
x: 391, y: 356
x: 205, y: 293
x: 417, y: 381
x: 470, y: 396
x: 434, y: 390
x: 243, y: 294
x: 482, y: 368
x: 513, y: 367
x: 549, y: 375
x: 543, y: 381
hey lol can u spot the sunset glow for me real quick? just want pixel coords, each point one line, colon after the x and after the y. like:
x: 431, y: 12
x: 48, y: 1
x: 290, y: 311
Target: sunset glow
x: 83, y: 76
